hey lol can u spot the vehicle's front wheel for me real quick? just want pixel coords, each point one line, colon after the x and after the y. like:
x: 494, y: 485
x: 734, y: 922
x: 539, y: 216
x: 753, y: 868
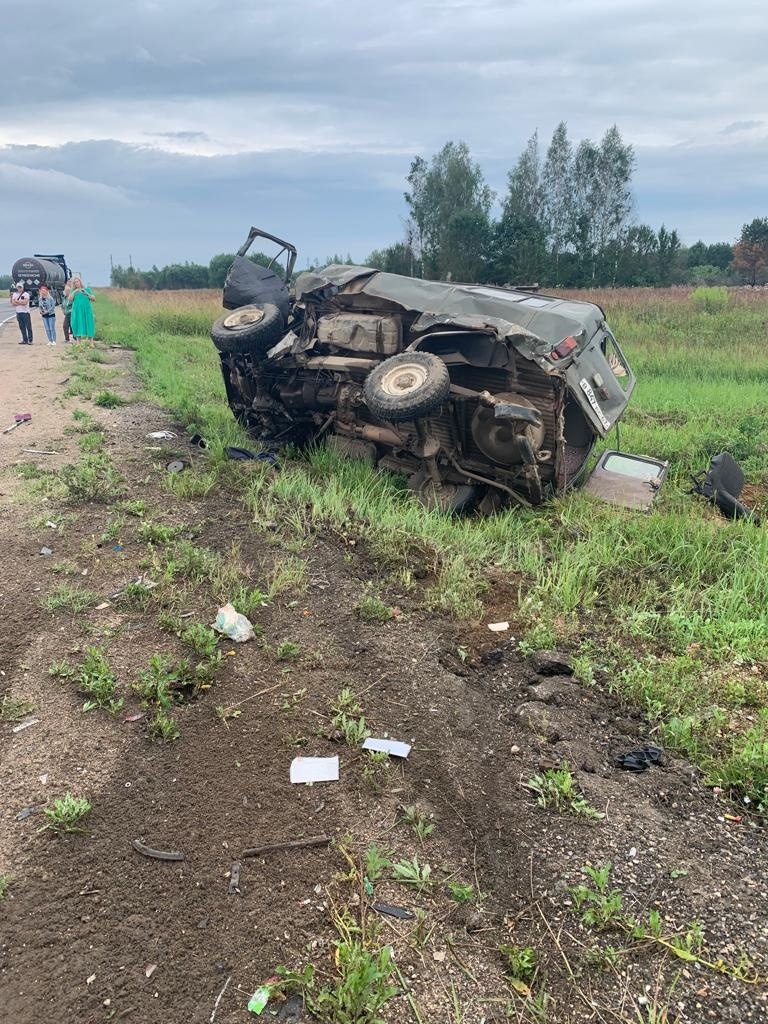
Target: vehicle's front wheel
x: 406, y: 386
x: 249, y: 330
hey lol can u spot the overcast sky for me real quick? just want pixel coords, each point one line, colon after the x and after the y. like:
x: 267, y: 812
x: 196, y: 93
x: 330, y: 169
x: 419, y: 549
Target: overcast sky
x: 162, y: 129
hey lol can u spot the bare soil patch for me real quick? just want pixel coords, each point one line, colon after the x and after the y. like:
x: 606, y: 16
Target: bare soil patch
x: 92, y: 931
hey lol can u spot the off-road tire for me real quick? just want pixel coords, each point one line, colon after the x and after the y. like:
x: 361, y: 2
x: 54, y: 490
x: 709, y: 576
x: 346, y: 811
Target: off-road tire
x: 249, y: 330
x: 406, y: 386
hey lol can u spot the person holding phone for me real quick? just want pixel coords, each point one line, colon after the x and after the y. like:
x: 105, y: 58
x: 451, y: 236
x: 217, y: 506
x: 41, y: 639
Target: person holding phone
x: 47, y: 305
x: 81, y: 317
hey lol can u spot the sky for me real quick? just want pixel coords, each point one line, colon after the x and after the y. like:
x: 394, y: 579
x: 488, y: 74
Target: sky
x: 159, y: 131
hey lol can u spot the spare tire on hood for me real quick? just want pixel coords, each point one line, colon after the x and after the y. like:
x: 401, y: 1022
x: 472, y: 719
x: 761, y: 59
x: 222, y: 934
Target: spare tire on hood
x: 249, y: 283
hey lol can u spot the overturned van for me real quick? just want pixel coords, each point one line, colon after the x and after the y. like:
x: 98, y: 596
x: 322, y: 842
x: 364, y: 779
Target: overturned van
x: 481, y: 395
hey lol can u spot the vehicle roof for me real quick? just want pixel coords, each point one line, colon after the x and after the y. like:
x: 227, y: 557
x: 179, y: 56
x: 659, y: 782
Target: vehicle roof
x: 542, y: 315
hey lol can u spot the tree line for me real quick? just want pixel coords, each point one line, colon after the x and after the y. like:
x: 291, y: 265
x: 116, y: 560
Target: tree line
x: 565, y: 220
x: 176, y: 276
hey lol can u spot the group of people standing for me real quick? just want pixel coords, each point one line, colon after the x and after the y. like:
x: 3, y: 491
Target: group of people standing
x: 76, y: 305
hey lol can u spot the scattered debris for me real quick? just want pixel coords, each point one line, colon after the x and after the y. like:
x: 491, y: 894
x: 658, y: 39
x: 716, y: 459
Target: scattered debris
x: 148, y: 851
x: 117, y: 547
x: 315, y: 769
x: 498, y: 627
x: 26, y: 811
x: 551, y: 663
x: 135, y: 717
x: 65, y: 381
x: 25, y: 725
x: 291, y: 844
x: 394, y: 747
x: 198, y: 441
x: 38, y: 451
x: 150, y: 969
x: 102, y: 606
x: 390, y: 911
x: 640, y: 759
x: 234, y: 879
x: 18, y: 419
x: 46, y: 551
x: 722, y: 484
x: 261, y: 996
x: 176, y: 466
x: 162, y: 435
x: 51, y: 525
x: 232, y: 624
x: 90, y: 980
x: 244, y: 454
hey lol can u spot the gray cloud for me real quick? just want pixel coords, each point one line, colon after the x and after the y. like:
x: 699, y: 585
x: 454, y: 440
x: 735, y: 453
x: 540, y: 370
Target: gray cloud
x: 740, y: 126
x: 187, y: 136
x: 169, y: 127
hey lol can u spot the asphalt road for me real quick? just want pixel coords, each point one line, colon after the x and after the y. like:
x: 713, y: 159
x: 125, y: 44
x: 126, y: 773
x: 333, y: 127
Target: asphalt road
x: 5, y: 310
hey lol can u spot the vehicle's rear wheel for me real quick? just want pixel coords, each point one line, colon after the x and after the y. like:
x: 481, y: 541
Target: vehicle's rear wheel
x: 406, y: 386
x: 249, y: 330
x: 447, y: 497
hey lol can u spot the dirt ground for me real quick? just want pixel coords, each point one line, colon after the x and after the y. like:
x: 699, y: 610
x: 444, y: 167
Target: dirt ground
x: 93, y: 931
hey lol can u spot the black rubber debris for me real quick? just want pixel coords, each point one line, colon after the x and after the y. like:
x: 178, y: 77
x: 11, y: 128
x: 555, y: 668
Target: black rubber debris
x: 640, y: 759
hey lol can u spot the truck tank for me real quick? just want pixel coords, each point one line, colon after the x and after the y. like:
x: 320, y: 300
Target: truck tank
x: 37, y: 270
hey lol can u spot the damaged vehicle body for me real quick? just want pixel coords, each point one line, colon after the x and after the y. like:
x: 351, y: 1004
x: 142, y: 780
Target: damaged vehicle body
x: 482, y: 396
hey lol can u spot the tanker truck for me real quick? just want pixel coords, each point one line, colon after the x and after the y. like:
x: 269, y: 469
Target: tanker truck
x: 42, y: 269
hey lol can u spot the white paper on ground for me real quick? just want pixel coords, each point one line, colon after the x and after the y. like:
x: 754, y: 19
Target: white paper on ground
x: 315, y: 769
x: 394, y: 747
x: 498, y: 627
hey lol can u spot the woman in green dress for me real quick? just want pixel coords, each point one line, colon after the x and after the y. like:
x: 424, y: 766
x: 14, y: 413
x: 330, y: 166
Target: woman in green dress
x: 81, y: 317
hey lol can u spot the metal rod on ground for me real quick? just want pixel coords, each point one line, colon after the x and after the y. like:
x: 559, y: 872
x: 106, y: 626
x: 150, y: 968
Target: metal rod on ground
x: 293, y: 844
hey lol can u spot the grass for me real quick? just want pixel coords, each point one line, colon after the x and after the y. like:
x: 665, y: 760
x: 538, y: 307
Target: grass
x: 108, y: 400
x: 557, y: 788
x: 371, y: 608
x: 155, y: 533
x: 69, y: 598
x: 202, y: 639
x: 668, y: 609
x: 67, y: 813
x: 94, y: 478
x: 94, y: 678
x: 163, y: 726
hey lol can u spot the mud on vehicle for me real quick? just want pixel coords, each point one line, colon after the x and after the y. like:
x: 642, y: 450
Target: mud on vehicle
x: 481, y: 395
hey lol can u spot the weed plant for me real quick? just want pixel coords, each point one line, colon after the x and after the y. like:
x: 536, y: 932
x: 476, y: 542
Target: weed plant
x: 94, y: 678
x: 557, y: 788
x: 94, y: 478
x: 66, y: 813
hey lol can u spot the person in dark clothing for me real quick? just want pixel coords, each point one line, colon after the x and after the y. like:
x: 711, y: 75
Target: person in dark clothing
x: 20, y: 303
